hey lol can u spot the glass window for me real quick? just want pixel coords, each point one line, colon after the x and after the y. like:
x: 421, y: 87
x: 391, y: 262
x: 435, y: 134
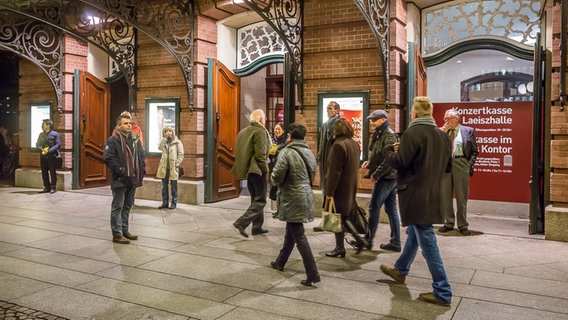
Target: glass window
x: 160, y: 113
x: 354, y: 106
x: 38, y: 113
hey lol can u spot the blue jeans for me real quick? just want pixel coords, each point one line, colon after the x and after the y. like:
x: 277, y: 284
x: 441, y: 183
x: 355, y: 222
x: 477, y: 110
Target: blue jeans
x: 423, y: 236
x: 122, y: 202
x: 174, y: 187
x: 384, y: 192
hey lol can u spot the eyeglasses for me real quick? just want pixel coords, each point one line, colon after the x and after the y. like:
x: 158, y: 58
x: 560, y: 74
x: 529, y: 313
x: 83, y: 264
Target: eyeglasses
x: 446, y: 119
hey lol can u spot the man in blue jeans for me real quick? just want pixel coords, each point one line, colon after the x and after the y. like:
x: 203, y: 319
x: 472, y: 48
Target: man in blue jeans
x: 422, y: 160
x: 124, y: 155
x: 384, y: 190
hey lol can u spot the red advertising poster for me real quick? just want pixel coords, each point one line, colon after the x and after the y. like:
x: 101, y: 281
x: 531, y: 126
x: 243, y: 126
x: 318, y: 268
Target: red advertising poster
x: 504, y: 139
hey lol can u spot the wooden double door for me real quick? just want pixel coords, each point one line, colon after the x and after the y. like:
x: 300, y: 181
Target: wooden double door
x: 93, y: 127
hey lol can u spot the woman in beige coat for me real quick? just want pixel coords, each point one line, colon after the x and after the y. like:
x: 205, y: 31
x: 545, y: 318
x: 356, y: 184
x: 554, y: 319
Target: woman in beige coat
x: 168, y: 169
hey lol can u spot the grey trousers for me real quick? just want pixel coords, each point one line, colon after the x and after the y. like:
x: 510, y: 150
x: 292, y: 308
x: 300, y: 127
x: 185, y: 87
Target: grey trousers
x: 456, y: 183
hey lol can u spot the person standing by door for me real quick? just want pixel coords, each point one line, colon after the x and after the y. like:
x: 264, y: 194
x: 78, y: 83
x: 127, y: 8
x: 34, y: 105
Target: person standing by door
x: 124, y: 155
x: 251, y: 164
x: 49, y: 142
x: 168, y: 169
x: 464, y: 154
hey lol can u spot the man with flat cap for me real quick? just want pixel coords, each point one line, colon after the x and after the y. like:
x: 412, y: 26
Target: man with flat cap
x: 384, y: 189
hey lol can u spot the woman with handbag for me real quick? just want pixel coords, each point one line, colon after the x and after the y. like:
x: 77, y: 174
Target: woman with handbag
x: 341, y: 182
x: 293, y: 174
x: 169, y: 167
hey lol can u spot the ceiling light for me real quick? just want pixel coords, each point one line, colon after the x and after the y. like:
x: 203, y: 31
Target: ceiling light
x: 509, y: 59
x: 459, y: 61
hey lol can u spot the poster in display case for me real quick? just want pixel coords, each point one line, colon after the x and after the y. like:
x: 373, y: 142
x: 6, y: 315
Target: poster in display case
x: 159, y: 114
x: 38, y: 113
x: 354, y: 106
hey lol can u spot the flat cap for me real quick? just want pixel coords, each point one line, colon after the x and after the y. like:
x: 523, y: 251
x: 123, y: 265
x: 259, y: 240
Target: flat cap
x: 377, y: 114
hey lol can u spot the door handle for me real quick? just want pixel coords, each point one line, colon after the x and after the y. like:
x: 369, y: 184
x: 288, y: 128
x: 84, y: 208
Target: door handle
x: 84, y: 118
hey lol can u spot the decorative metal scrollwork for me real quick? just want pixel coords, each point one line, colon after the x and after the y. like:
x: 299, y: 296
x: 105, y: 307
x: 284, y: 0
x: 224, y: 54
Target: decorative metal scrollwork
x: 105, y: 31
x: 376, y: 12
x: 286, y: 18
x: 37, y: 42
x: 450, y: 22
x: 170, y: 23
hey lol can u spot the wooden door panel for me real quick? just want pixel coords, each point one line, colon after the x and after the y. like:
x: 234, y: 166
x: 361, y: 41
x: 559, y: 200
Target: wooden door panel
x: 94, y: 111
x: 226, y: 115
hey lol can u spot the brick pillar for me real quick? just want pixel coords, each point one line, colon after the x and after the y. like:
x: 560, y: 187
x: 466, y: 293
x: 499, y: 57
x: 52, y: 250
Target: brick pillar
x: 556, y: 214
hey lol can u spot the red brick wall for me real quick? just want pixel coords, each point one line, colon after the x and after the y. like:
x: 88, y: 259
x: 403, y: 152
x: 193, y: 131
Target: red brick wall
x: 558, y: 122
x: 35, y: 87
x: 341, y: 53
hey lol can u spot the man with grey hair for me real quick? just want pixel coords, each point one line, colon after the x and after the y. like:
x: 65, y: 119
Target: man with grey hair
x: 251, y: 164
x: 422, y: 160
x: 464, y: 154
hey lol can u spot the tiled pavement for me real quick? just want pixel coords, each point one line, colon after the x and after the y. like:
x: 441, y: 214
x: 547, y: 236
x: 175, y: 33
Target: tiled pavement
x: 56, y: 257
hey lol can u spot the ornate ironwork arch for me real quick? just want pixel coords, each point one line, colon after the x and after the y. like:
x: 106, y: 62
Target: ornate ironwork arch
x: 286, y: 17
x: 376, y: 12
x: 36, y: 42
x: 108, y: 33
x: 170, y: 23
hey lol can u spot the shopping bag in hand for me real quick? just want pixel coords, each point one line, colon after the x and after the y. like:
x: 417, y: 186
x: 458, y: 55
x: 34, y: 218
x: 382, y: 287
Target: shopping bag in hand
x: 331, y: 220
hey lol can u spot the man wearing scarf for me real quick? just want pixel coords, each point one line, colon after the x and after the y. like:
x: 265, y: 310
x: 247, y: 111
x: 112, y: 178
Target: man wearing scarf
x: 384, y: 189
x: 124, y: 155
x: 422, y: 160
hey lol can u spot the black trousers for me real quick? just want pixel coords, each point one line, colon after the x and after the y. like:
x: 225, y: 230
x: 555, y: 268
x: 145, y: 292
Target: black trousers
x: 47, y: 164
x: 295, y: 235
x: 256, y: 185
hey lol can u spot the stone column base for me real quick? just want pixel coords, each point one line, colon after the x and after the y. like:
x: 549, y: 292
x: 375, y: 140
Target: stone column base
x: 31, y: 178
x: 556, y: 223
x: 189, y: 192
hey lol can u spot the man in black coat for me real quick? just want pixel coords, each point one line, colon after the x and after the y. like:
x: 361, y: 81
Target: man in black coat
x: 422, y: 159
x: 124, y: 155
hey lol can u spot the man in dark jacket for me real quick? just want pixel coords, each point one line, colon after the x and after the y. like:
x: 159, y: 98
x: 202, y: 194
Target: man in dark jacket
x: 251, y: 163
x: 464, y: 154
x: 384, y: 189
x: 49, y: 142
x: 124, y: 155
x: 422, y: 160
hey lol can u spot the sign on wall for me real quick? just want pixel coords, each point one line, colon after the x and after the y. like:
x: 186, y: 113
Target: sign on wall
x: 37, y: 114
x: 354, y: 106
x: 504, y: 139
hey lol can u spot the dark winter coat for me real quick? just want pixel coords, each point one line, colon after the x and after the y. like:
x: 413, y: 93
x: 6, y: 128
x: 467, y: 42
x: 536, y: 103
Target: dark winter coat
x: 292, y: 173
x: 115, y: 160
x: 382, y: 137
x: 50, y: 140
x: 252, y: 148
x: 423, y: 158
x: 342, y: 174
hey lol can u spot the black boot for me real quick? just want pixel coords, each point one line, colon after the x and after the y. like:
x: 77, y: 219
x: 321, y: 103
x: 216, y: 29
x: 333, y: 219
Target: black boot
x: 339, y: 250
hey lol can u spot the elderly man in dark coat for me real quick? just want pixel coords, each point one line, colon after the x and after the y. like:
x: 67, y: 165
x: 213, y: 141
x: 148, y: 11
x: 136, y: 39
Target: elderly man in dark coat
x: 422, y: 160
x: 251, y: 164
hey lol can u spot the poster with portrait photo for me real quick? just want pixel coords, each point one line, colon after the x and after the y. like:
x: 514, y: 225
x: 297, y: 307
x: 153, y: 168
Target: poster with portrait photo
x: 160, y: 113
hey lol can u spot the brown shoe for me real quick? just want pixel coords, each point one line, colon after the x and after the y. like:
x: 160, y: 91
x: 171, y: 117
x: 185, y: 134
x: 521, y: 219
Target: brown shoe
x: 121, y: 240
x: 431, y: 298
x: 393, y: 273
x: 129, y: 236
